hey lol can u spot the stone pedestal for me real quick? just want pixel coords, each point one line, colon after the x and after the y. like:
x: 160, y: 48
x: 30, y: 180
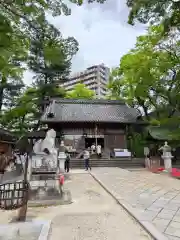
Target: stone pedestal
x: 61, y: 160
x: 167, y: 162
x: 41, y: 159
x: 147, y: 162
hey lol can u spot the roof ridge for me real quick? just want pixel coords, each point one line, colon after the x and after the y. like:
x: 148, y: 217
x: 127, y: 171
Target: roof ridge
x: 89, y: 101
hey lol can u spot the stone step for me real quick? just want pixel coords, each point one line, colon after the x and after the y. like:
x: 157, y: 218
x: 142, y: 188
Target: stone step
x: 79, y: 163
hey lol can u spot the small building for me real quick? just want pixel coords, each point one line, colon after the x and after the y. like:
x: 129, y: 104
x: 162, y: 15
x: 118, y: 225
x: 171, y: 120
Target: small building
x: 7, y: 141
x: 86, y: 122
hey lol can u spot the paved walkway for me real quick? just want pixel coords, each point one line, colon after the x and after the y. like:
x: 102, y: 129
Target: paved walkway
x: 155, y: 196
x: 93, y: 215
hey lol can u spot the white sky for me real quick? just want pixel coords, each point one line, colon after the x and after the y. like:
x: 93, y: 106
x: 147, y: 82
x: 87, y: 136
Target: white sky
x: 102, y: 32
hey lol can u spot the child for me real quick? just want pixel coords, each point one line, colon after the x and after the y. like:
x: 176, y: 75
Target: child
x: 61, y: 183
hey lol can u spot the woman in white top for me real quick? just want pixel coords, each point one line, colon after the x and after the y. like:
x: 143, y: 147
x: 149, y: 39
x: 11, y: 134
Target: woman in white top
x: 93, y: 148
x: 99, y: 150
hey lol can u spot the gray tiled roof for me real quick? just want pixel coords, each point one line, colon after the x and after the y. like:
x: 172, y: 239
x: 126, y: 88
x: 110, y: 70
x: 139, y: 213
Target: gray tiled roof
x: 70, y: 110
x: 6, y: 135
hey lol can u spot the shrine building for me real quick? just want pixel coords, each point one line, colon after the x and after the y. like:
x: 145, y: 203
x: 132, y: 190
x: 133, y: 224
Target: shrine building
x: 82, y: 123
x: 7, y: 141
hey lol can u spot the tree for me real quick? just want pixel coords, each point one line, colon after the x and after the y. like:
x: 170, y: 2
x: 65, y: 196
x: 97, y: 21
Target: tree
x: 50, y: 60
x: 25, y: 114
x: 26, y: 13
x: 148, y: 76
x: 81, y: 92
x: 155, y: 11
x: 19, y: 22
x: 13, y: 52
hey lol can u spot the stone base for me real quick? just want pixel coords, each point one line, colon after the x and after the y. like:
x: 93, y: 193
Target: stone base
x: 65, y: 200
x: 48, y: 193
x: 44, y: 189
x: 168, y: 164
x: 32, y: 230
x: 147, y: 163
x: 39, y: 160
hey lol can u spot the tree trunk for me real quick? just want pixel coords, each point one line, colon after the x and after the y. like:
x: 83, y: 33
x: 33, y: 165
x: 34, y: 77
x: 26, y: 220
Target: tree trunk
x: 1, y: 96
x: 23, y: 210
x: 141, y: 102
x: 22, y: 214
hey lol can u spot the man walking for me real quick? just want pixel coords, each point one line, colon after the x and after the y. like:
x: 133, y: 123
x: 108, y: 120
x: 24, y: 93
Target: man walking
x: 86, y: 157
x: 67, y: 163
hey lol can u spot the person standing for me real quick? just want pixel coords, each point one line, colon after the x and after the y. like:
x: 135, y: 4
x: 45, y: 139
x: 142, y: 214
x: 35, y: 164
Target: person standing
x: 93, y: 148
x: 86, y: 157
x: 99, y: 150
x: 67, y: 163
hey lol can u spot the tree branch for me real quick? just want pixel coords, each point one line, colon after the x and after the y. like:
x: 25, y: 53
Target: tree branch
x: 6, y: 5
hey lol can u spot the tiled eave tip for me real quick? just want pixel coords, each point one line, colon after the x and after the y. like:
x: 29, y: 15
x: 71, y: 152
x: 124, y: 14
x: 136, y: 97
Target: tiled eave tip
x: 147, y: 226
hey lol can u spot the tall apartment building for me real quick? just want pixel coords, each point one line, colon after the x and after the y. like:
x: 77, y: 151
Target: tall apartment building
x: 95, y: 78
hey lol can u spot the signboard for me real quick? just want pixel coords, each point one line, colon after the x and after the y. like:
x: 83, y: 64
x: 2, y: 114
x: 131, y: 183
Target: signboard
x: 122, y: 153
x: 95, y: 136
x: 114, y: 131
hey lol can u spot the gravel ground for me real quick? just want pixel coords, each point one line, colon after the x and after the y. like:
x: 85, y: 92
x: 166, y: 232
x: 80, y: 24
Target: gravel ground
x: 93, y: 215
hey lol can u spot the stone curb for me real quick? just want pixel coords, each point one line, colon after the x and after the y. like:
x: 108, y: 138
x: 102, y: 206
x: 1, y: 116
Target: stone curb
x: 45, y: 231
x: 147, y: 226
x: 47, y: 203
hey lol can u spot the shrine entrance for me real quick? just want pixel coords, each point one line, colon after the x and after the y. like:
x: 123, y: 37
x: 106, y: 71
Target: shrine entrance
x: 90, y: 141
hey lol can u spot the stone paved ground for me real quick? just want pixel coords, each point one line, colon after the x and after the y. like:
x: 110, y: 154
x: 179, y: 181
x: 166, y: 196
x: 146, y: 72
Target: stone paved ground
x: 93, y: 215
x: 156, y: 196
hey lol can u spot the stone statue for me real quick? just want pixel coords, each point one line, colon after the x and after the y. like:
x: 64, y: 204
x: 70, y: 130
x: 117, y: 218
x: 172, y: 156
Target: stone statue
x: 37, y: 147
x: 167, y: 156
x: 146, y: 151
x: 166, y: 149
x: 48, y: 144
x: 46, y: 148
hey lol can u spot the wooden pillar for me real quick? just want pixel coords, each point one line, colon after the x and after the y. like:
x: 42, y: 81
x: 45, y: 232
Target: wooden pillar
x: 128, y: 137
x: 96, y: 130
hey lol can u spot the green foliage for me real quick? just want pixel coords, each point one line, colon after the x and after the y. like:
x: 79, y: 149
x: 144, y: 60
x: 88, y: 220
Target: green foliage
x: 13, y: 48
x: 148, y: 76
x: 24, y: 116
x: 154, y: 122
x: 81, y: 92
x: 50, y: 55
x: 136, y: 144
x: 166, y: 12
x: 80, y: 2
x: 28, y: 39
